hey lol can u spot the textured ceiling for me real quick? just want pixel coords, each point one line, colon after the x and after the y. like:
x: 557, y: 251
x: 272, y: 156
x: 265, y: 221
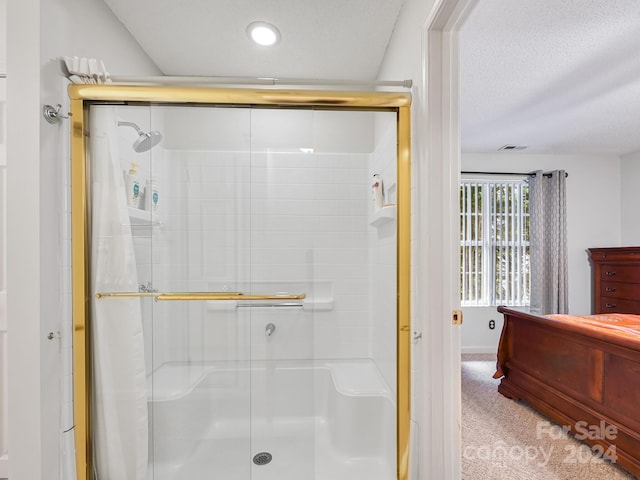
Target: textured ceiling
x: 334, y: 39
x: 556, y: 76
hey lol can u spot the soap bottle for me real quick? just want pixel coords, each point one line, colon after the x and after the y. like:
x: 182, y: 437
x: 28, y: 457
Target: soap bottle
x: 132, y: 186
x: 377, y: 192
x: 152, y: 195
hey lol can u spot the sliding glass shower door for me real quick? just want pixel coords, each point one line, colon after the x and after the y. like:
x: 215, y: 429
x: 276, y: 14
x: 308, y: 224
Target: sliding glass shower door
x: 229, y: 393
x: 244, y: 281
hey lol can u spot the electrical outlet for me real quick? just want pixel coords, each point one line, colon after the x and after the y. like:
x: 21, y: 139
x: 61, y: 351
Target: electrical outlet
x: 492, y: 324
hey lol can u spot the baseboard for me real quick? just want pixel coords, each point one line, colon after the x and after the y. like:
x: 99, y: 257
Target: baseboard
x: 464, y: 350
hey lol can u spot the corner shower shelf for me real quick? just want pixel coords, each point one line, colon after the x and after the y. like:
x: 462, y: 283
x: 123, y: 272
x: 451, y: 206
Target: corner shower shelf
x: 383, y: 216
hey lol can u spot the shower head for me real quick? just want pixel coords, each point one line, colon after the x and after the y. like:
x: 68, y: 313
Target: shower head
x: 146, y: 140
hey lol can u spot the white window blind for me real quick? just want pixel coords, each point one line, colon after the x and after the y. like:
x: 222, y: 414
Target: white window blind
x: 494, y: 243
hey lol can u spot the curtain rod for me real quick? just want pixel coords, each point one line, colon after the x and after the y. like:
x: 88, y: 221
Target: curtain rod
x: 204, y: 80
x: 528, y: 174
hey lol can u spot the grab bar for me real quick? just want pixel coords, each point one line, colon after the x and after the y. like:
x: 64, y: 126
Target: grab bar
x: 203, y: 296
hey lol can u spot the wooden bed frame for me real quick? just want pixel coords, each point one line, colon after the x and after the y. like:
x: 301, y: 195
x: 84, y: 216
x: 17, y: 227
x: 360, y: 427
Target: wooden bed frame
x: 590, y: 384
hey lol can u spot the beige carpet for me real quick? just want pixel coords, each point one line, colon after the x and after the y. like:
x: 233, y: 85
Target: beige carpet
x: 504, y: 439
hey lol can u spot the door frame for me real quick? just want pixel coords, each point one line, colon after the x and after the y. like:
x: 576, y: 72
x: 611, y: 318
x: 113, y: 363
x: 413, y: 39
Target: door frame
x: 438, y: 226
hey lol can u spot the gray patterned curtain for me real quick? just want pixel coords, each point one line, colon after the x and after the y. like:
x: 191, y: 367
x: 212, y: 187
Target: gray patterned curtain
x: 548, y: 239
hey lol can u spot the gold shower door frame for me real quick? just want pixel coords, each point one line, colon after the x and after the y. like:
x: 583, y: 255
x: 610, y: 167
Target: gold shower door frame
x: 82, y: 96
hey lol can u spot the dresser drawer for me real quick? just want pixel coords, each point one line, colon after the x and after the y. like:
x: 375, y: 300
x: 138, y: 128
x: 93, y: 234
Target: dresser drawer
x: 619, y: 305
x: 630, y: 291
x: 616, y: 256
x: 611, y: 272
x: 616, y: 279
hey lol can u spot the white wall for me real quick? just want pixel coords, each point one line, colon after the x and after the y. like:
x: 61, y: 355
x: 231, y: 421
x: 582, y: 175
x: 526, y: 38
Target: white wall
x: 38, y: 245
x: 4, y: 468
x: 23, y: 246
x: 405, y: 60
x: 593, y: 220
x: 630, y: 173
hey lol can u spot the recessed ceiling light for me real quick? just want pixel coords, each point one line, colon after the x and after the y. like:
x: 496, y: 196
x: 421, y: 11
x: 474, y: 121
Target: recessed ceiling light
x: 263, y: 33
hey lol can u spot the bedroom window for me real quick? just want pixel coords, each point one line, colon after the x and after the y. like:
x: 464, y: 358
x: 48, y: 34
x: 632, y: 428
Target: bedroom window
x: 494, y: 243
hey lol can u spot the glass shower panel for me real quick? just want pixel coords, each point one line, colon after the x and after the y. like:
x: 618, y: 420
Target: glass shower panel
x: 281, y: 251
x: 201, y: 363
x: 266, y: 266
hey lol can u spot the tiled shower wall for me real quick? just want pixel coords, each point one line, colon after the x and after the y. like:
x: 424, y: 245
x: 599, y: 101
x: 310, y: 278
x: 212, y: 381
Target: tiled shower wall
x: 269, y: 222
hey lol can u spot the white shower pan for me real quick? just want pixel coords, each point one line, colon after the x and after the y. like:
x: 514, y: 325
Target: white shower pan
x: 309, y: 420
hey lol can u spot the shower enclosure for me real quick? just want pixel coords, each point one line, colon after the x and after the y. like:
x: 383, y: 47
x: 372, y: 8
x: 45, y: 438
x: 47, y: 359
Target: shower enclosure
x: 246, y: 314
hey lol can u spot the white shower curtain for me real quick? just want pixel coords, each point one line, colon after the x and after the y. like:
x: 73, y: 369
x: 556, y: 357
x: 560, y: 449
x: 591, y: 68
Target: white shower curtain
x: 549, y: 263
x: 120, y: 428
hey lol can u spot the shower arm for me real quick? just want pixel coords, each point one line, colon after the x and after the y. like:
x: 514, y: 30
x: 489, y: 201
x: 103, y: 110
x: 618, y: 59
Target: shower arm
x: 132, y: 125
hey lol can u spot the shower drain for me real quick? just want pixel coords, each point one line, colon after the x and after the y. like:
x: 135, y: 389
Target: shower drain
x: 262, y: 458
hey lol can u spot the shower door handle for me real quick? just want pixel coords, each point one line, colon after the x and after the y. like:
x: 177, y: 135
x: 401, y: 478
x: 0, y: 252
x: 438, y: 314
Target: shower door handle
x: 228, y: 296
x: 238, y: 296
x: 155, y: 295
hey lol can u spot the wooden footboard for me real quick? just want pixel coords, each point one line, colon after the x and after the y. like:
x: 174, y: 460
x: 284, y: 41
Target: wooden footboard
x: 588, y: 383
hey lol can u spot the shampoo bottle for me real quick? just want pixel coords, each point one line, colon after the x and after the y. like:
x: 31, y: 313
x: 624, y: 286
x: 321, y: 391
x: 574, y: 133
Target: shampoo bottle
x: 152, y: 195
x: 132, y: 186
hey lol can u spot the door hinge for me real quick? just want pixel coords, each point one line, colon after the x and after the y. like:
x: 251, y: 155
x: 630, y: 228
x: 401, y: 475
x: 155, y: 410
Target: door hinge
x: 456, y: 317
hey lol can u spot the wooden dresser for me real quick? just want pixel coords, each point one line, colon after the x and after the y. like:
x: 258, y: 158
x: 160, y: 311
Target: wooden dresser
x: 616, y: 279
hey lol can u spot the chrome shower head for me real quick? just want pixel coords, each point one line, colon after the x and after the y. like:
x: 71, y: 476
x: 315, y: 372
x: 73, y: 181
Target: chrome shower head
x: 146, y: 140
